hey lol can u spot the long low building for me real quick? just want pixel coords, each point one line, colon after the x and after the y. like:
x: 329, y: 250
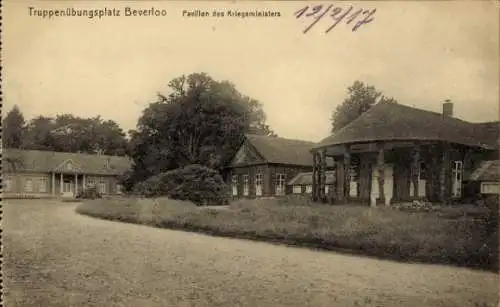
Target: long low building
x: 485, y: 179
x: 302, y: 183
x: 35, y: 173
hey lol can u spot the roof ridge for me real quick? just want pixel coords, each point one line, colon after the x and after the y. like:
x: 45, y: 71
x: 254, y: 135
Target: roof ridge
x: 278, y: 137
x: 439, y: 114
x: 63, y: 152
x: 364, y: 114
x: 47, y: 161
x: 377, y: 123
x: 281, y: 150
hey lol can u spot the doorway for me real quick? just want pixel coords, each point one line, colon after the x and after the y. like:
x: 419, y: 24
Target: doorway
x: 68, y: 187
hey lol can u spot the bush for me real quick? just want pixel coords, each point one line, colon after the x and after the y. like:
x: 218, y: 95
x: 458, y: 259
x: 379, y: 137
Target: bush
x: 89, y: 193
x: 492, y: 202
x: 198, y: 184
x: 491, y: 219
x: 415, y: 206
x: 148, y: 188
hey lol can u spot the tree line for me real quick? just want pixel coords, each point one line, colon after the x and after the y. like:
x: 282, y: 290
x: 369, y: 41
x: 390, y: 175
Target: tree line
x: 63, y: 133
x: 198, y: 120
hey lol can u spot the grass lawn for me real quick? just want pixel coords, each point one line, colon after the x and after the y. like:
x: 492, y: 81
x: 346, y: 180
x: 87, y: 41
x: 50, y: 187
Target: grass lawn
x: 449, y: 236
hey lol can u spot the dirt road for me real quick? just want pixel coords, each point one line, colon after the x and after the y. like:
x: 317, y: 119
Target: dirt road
x: 55, y: 257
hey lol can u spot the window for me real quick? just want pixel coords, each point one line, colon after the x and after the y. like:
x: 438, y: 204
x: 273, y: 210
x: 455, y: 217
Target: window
x: 234, y: 185
x: 456, y: 179
x: 309, y: 188
x: 69, y: 166
x: 118, y: 189
x: 422, y: 172
x: 297, y: 189
x: 327, y: 189
x: 28, y: 185
x: 90, y: 182
x: 280, y: 184
x: 107, y: 163
x: 7, y: 184
x: 42, y: 185
x: 246, y: 185
x: 258, y: 184
x: 490, y: 188
x: 103, y: 187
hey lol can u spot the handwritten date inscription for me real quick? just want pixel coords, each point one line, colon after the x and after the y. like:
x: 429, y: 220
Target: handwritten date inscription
x: 357, y: 18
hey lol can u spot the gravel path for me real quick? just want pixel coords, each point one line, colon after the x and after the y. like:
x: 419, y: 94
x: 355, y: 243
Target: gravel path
x: 55, y: 257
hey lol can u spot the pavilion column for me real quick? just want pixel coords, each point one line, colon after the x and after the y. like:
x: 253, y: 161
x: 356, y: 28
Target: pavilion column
x: 318, y: 176
x: 83, y: 182
x: 61, y: 185
x: 381, y: 173
x: 347, y: 174
x: 76, y: 183
x: 53, y: 186
x: 314, y: 177
x: 339, y: 179
x: 415, y: 170
x: 434, y: 173
x: 444, y: 172
x: 334, y: 191
x: 322, y: 175
x: 467, y: 160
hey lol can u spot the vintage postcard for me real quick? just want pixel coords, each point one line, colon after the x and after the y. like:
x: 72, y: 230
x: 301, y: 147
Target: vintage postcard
x: 250, y: 153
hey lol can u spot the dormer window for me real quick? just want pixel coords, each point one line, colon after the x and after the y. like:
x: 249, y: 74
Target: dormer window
x: 107, y: 163
x: 69, y: 166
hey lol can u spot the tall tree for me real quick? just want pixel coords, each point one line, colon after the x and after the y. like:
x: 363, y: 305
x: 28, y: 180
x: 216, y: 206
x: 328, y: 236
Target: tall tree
x: 360, y: 98
x: 199, y: 121
x: 13, y: 128
x: 38, y: 133
x: 109, y: 137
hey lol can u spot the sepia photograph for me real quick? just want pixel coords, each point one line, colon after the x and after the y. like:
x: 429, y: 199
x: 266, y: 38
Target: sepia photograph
x: 250, y: 153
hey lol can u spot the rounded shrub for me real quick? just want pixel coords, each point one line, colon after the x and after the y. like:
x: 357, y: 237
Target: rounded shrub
x: 196, y: 183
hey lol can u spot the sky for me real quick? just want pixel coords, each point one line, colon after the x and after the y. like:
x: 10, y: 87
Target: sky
x: 418, y: 52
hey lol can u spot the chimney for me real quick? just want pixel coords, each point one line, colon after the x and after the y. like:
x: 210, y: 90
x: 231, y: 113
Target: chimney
x: 448, y: 108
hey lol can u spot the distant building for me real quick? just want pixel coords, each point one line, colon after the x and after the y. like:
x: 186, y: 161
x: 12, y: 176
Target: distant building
x: 303, y: 182
x: 485, y: 179
x: 35, y: 173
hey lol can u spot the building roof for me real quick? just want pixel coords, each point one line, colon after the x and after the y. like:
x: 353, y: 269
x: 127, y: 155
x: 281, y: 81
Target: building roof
x: 391, y: 121
x: 306, y: 178
x: 487, y: 171
x: 281, y: 150
x: 488, y: 132
x: 48, y: 161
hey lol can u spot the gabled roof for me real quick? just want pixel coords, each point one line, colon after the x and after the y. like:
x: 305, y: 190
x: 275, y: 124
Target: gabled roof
x: 306, y: 178
x: 391, y: 121
x: 281, y: 150
x: 48, y: 161
x: 487, y: 171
